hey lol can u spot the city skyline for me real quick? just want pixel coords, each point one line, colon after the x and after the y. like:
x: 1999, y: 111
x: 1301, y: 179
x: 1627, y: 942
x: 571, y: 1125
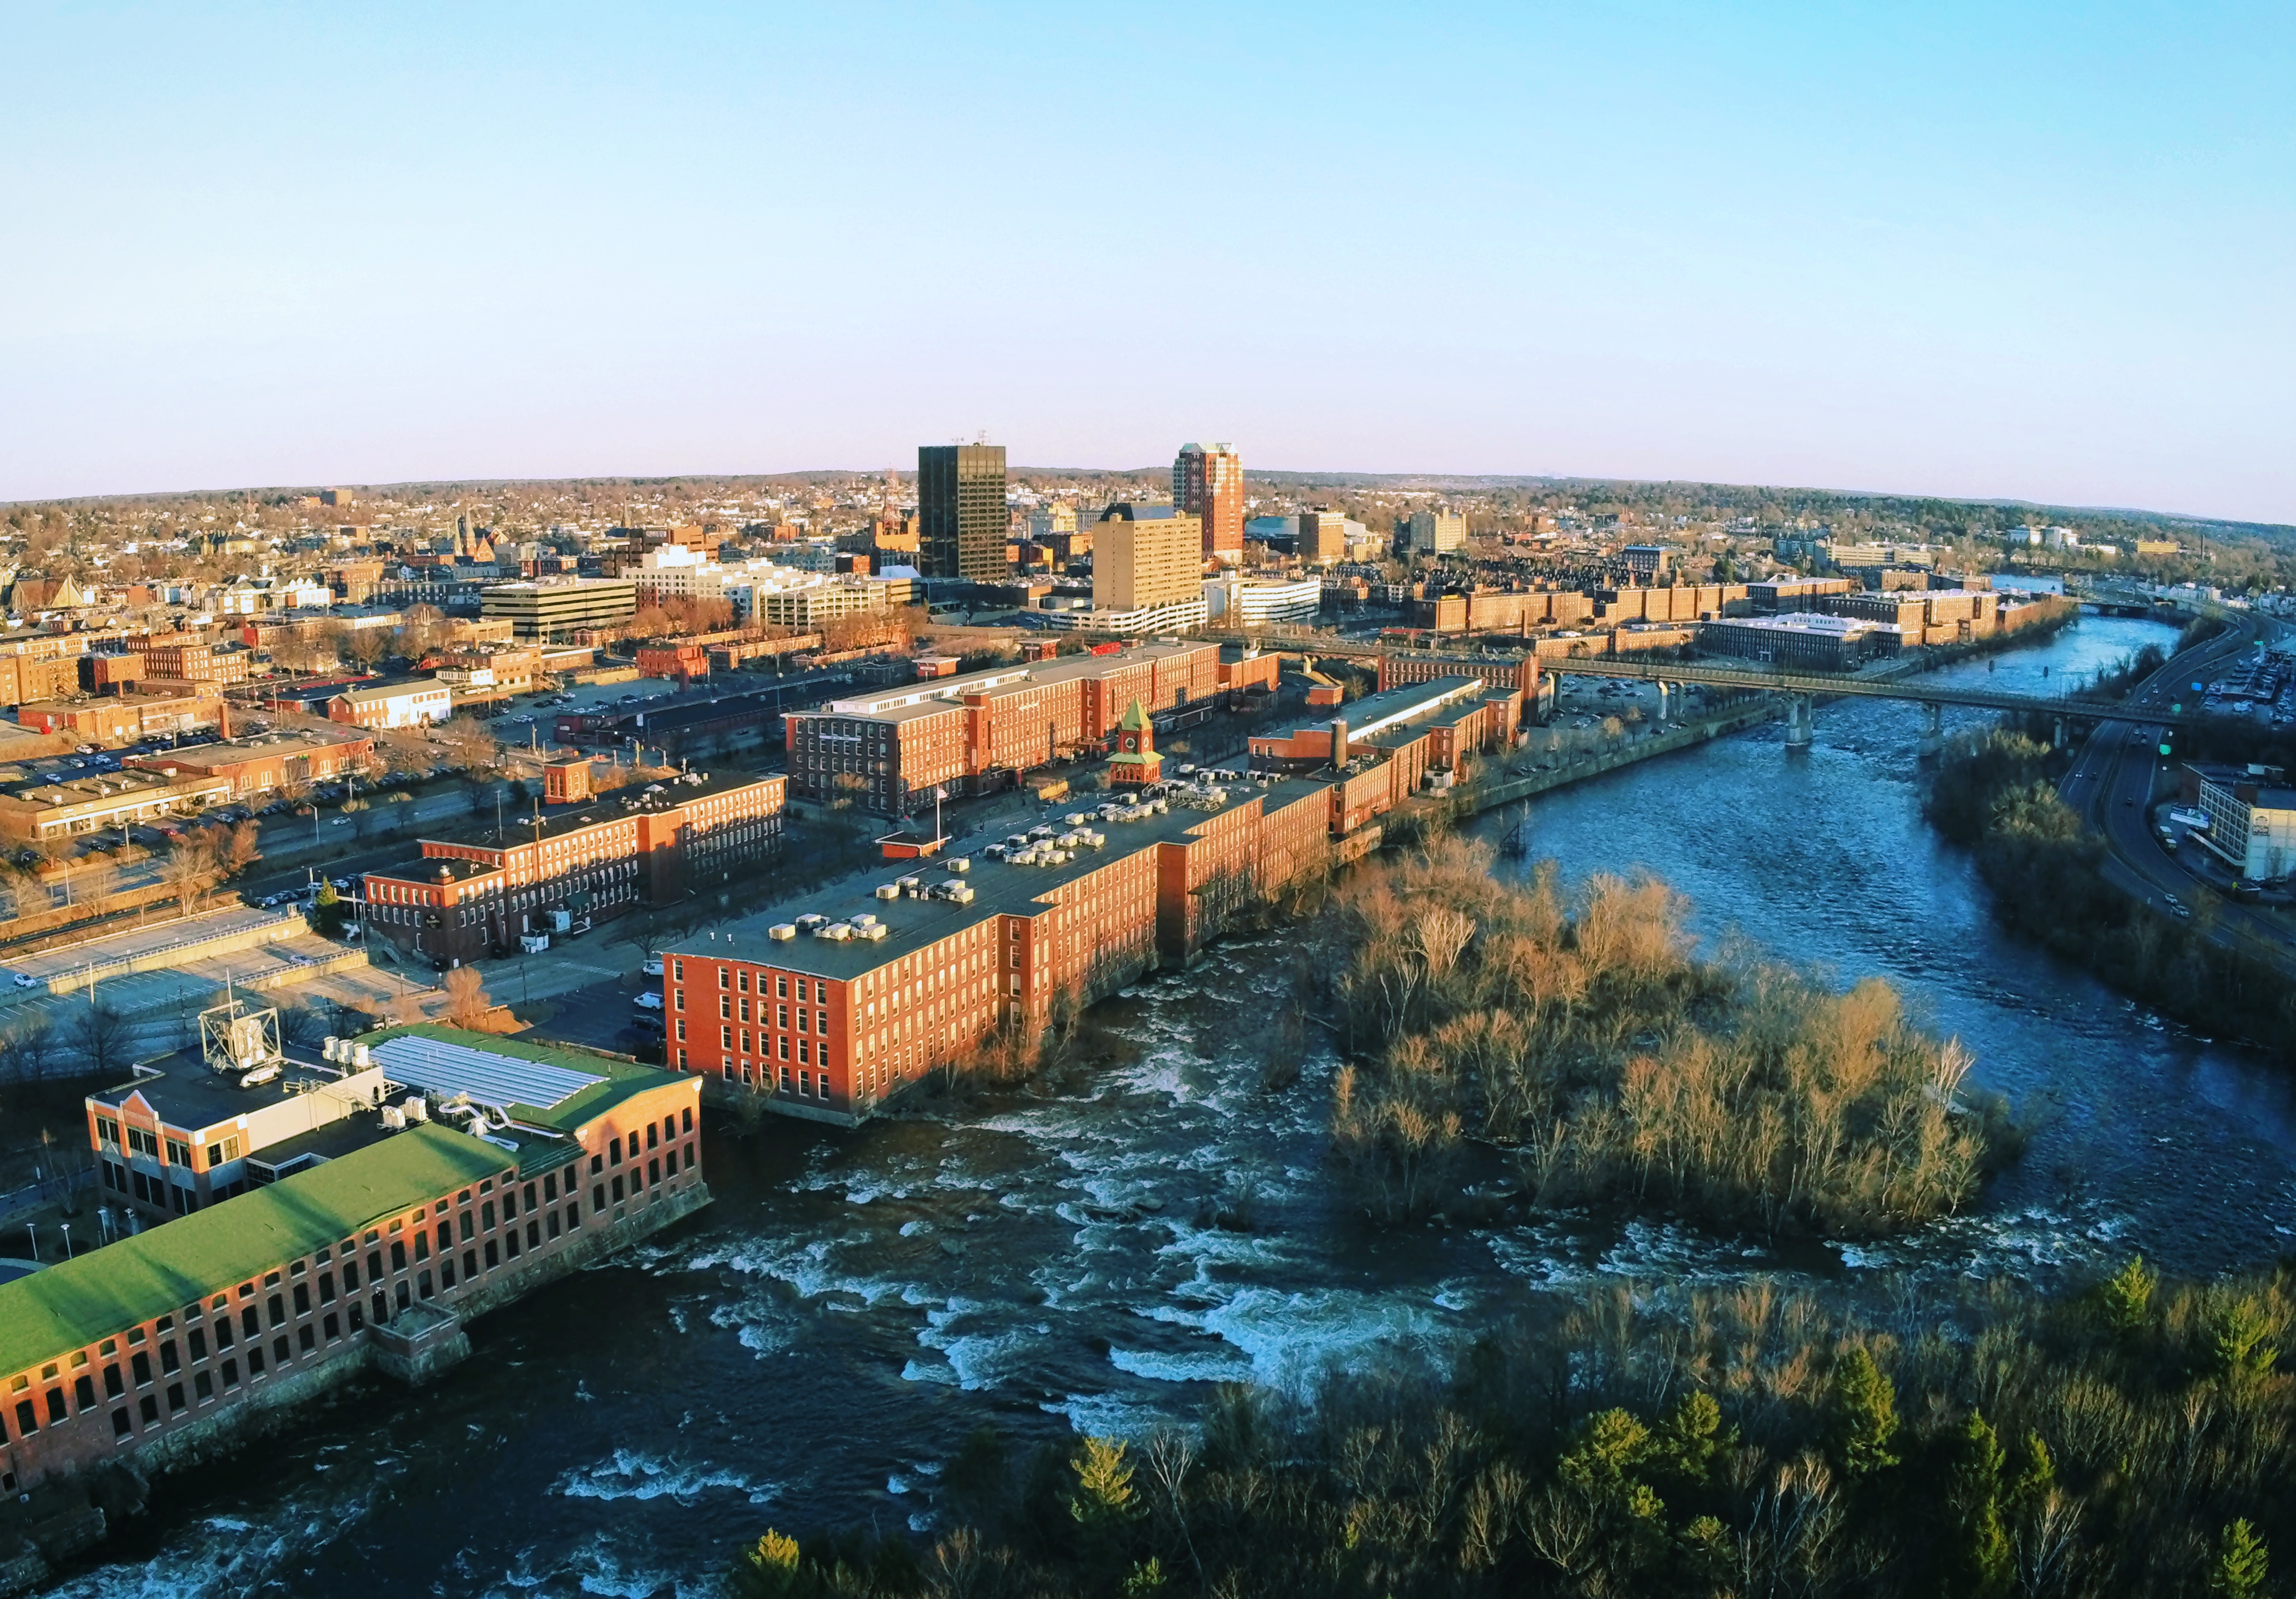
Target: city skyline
x: 1959, y: 255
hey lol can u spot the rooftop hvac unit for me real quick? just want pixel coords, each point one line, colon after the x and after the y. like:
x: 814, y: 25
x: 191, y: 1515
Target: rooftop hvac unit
x: 996, y: 852
x: 888, y: 890
x: 962, y: 895
x: 416, y: 1109
x: 328, y: 1046
x: 878, y: 929
x: 781, y: 931
x: 1076, y: 818
x: 960, y: 863
x: 837, y: 932
x: 261, y: 1075
x: 861, y: 919
x: 908, y: 885
x: 393, y: 1118
x: 809, y: 921
x: 362, y: 1057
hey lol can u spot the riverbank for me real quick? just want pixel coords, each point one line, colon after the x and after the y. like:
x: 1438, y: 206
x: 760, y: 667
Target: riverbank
x: 1670, y: 1443
x: 1993, y: 795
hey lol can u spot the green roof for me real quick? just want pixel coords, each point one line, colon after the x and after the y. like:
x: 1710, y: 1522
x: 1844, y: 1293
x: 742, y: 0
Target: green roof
x: 624, y: 1079
x: 102, y: 1293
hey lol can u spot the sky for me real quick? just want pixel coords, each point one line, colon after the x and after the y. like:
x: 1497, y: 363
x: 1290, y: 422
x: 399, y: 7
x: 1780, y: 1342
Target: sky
x: 1988, y: 250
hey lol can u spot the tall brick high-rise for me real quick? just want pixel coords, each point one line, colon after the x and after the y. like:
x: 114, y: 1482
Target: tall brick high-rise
x: 962, y: 521
x: 1208, y: 484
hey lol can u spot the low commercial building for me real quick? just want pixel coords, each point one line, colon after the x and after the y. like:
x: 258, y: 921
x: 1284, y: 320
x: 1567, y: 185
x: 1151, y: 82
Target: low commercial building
x: 981, y: 732
x: 1807, y: 639
x: 123, y: 718
x: 462, y: 900
x: 2252, y: 814
x: 400, y: 702
x: 265, y: 762
x: 521, y: 1166
x: 548, y: 611
x: 33, y: 808
x: 835, y: 1002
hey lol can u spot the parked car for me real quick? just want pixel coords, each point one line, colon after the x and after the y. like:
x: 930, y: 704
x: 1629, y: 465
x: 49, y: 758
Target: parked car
x: 652, y: 967
x: 648, y: 1001
x: 26, y: 981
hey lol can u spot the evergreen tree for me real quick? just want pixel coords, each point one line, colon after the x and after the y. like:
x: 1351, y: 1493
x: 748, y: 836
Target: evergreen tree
x: 1978, y: 1560
x: 2238, y: 1569
x: 2123, y: 1300
x: 1864, y: 1414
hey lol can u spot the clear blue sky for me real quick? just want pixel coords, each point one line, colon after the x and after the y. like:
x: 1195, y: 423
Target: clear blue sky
x: 1980, y: 250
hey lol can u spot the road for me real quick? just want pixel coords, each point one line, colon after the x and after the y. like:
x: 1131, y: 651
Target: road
x: 2118, y: 775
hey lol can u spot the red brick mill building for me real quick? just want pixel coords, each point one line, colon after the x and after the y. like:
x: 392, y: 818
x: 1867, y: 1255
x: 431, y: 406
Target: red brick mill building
x: 592, y: 857
x: 494, y: 1166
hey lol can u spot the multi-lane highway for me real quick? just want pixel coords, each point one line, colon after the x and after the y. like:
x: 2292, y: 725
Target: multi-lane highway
x: 2120, y: 771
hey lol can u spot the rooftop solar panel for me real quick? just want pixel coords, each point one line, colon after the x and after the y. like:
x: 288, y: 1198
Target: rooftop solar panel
x: 438, y: 1066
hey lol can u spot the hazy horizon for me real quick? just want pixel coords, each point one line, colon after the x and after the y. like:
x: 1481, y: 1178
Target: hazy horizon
x: 1967, y: 253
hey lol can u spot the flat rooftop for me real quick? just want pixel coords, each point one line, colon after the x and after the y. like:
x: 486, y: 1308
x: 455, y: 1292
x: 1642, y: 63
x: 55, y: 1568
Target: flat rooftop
x: 186, y: 1093
x: 575, y: 1085
x: 998, y: 888
x: 938, y: 694
x: 1413, y: 703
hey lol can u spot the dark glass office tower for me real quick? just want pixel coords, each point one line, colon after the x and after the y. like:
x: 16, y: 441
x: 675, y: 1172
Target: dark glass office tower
x: 961, y: 522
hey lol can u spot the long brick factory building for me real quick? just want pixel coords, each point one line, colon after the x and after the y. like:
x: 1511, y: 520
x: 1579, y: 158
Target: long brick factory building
x: 889, y: 750
x: 835, y: 1002
x: 490, y: 1168
x: 588, y: 856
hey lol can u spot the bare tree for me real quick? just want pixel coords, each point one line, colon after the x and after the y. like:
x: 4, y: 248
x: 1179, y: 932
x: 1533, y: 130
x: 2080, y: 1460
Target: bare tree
x: 101, y: 1038
x: 467, y: 1004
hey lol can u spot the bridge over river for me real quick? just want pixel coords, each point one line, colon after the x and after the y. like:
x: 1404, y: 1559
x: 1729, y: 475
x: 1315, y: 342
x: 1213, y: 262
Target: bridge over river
x: 1801, y: 689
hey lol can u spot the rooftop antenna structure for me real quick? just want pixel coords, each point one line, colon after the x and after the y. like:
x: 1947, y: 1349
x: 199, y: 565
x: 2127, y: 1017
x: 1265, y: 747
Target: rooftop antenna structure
x: 242, y: 1041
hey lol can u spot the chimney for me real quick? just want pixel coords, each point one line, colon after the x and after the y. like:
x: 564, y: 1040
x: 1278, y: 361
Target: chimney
x: 1339, y: 741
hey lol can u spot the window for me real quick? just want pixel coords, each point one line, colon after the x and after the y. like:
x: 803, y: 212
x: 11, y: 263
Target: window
x: 170, y: 1361
x: 278, y: 1310
x: 140, y: 1363
x: 231, y: 1373
x: 350, y: 1276
x: 333, y: 1325
x: 120, y: 1425
x: 179, y: 1154
x: 464, y: 1220
x: 57, y: 1414
x: 654, y: 1173
x: 326, y: 1288
x: 255, y: 1360
x: 112, y: 1386
x: 493, y: 1258
x: 174, y: 1397
x: 150, y: 1410
x: 487, y: 1216
x: 222, y: 1330
x: 302, y: 1298
x: 280, y: 1353
x: 654, y: 1136
x: 84, y: 1392
x: 197, y: 1340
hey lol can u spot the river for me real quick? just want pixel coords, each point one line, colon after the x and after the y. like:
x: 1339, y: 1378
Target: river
x: 812, y: 1349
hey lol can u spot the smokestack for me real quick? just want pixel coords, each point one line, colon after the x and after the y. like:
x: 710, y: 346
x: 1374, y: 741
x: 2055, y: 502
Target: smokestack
x: 1339, y: 741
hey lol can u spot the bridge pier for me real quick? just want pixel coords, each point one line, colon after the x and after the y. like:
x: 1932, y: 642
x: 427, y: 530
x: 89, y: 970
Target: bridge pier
x: 1932, y: 744
x: 1801, y: 712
